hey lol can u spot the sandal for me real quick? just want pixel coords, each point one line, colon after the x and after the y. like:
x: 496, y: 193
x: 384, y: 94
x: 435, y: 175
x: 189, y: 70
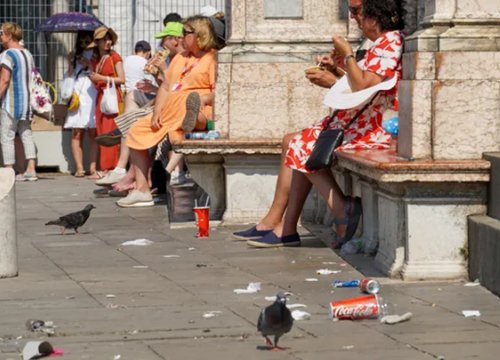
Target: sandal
x: 95, y: 175
x: 353, y: 211
x: 79, y: 174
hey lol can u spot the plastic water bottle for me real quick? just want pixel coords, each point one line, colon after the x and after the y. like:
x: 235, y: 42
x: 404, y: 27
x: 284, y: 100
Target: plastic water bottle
x: 204, y: 135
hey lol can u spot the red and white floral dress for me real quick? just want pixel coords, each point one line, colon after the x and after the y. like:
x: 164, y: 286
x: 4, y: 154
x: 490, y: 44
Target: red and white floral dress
x: 384, y: 59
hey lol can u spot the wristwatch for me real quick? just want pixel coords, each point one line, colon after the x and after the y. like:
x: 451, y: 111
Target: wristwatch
x: 347, y: 57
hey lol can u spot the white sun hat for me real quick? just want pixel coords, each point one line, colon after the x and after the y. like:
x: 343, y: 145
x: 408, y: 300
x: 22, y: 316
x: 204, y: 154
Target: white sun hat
x: 341, y: 97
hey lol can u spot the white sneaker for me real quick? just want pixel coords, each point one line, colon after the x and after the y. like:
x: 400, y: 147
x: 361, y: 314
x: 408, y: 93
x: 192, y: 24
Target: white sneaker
x: 110, y: 178
x: 178, y: 178
x: 136, y: 198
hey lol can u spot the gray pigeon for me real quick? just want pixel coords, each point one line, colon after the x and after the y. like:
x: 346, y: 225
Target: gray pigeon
x: 73, y: 220
x: 275, y: 320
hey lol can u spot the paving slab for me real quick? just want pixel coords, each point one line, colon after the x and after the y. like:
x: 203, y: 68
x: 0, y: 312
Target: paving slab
x: 148, y: 302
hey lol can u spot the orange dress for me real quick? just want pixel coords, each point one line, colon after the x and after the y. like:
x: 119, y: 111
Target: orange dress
x: 108, y: 156
x: 184, y: 75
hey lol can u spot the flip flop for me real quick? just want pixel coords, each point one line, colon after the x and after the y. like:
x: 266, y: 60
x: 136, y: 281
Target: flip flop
x: 79, y: 174
x: 95, y: 176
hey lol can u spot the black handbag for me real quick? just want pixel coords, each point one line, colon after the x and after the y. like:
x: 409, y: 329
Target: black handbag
x: 328, y: 140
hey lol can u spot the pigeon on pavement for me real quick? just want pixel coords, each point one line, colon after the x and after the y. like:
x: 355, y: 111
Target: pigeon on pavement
x: 73, y: 220
x: 275, y: 320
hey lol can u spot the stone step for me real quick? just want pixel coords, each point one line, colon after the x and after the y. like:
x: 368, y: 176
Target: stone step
x: 484, y: 251
x: 494, y: 187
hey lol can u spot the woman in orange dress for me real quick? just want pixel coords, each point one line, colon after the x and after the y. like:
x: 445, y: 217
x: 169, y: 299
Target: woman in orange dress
x: 108, y: 65
x: 190, y: 71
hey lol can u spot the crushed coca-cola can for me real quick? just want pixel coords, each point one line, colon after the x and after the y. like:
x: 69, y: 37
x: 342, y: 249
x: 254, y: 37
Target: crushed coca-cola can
x: 362, y: 307
x: 369, y: 286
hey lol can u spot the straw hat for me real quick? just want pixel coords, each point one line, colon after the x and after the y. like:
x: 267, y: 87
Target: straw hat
x: 100, y: 33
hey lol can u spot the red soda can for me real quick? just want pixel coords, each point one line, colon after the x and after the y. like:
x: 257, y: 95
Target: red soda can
x: 363, y: 307
x: 369, y: 286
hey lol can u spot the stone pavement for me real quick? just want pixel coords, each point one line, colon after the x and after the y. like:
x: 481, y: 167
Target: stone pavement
x: 158, y: 302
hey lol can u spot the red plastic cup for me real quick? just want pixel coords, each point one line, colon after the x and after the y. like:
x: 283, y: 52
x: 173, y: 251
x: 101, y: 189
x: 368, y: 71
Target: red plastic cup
x: 202, y: 220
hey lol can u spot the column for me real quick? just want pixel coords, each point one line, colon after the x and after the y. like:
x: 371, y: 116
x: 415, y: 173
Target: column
x: 8, y: 236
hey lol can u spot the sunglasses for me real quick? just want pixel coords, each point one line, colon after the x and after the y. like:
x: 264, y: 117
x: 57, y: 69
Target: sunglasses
x: 1, y: 32
x: 187, y: 32
x: 355, y: 10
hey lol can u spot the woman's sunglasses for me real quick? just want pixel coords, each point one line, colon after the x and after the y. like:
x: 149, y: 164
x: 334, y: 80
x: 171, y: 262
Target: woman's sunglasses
x: 355, y: 10
x: 187, y: 32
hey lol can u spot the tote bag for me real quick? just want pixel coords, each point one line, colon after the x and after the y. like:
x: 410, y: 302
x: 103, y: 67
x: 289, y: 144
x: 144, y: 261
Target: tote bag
x: 109, y: 102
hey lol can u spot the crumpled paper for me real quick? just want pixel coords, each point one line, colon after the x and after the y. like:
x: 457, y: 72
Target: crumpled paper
x: 394, y: 319
x: 252, y: 288
x: 300, y: 315
x: 137, y: 242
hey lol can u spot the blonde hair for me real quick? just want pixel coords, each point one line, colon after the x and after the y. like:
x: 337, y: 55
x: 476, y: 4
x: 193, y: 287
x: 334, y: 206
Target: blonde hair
x: 203, y: 30
x: 14, y: 30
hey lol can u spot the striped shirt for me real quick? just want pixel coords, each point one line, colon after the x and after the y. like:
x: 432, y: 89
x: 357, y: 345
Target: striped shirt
x: 16, y: 100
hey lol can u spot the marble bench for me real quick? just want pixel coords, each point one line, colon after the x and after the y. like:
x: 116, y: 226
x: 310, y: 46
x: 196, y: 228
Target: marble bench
x: 238, y: 175
x: 415, y: 211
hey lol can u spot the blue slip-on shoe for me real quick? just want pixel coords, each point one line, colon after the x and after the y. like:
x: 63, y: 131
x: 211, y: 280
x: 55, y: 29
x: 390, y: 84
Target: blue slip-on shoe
x: 250, y: 234
x: 273, y: 240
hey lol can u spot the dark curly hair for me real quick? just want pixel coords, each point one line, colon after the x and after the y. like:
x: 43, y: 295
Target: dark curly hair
x: 389, y: 14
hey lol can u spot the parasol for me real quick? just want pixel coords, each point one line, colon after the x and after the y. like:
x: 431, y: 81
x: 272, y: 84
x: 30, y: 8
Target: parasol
x: 69, y: 22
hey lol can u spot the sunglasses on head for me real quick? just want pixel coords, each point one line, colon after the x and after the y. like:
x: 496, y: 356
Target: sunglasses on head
x: 355, y: 10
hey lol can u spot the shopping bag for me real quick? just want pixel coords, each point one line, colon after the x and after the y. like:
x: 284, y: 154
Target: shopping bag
x: 109, y: 102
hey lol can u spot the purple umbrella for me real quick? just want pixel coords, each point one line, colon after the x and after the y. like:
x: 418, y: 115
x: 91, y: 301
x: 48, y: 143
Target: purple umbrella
x: 69, y: 22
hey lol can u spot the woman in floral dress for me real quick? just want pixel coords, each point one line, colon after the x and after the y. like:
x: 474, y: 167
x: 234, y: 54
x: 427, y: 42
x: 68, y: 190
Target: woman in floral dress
x: 381, y: 21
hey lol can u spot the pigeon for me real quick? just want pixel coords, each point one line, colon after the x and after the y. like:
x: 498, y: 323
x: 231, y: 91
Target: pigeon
x: 73, y: 220
x: 275, y: 320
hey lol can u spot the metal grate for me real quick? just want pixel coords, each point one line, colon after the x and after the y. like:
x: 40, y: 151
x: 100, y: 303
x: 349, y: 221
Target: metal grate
x: 133, y: 20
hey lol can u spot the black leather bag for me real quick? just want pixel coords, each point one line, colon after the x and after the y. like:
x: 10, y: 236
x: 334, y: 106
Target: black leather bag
x: 324, y: 149
x: 328, y: 140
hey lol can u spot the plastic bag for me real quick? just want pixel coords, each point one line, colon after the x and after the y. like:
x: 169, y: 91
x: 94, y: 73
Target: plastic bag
x: 67, y: 87
x: 109, y: 103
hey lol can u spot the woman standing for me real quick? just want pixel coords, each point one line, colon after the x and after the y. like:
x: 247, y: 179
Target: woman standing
x: 83, y: 117
x: 191, y: 71
x: 108, y: 66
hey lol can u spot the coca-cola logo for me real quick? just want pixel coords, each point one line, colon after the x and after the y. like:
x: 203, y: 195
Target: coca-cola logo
x: 360, y: 311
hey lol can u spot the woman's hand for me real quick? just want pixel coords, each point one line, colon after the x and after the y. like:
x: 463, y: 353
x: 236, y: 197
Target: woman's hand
x: 95, y: 77
x: 342, y: 47
x: 155, y: 122
x: 323, y: 78
x: 146, y: 86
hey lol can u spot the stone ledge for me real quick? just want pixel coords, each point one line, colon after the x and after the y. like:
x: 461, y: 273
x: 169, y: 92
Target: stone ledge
x: 386, y: 166
x: 227, y: 146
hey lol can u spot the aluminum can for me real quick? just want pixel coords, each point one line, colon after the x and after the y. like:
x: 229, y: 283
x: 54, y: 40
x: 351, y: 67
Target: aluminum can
x: 369, y: 286
x: 363, y: 307
x: 340, y: 283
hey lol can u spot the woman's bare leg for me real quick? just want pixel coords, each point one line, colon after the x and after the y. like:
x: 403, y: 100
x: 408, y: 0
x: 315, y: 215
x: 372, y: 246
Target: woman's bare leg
x: 299, y: 189
x: 141, y: 162
x: 326, y: 185
x: 93, y: 148
x: 124, y: 154
x: 76, y: 148
x: 274, y: 215
x: 175, y: 161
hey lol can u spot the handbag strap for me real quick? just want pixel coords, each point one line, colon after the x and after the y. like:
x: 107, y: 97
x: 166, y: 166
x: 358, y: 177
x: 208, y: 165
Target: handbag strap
x: 354, y: 118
